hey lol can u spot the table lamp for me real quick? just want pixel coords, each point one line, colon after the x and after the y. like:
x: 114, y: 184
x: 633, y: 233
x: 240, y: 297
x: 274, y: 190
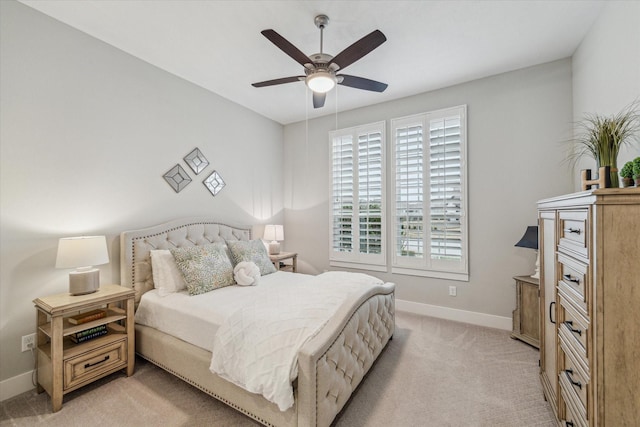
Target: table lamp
x: 274, y: 233
x: 530, y: 240
x: 82, y: 253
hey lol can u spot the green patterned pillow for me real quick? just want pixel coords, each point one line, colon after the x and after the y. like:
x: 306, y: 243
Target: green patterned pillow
x: 204, y: 268
x: 251, y: 251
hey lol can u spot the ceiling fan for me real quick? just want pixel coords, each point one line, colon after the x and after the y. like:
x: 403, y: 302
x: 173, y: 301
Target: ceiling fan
x: 321, y: 68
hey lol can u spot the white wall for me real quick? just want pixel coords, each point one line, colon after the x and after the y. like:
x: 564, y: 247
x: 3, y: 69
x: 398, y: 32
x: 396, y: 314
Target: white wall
x: 606, y: 70
x: 87, y: 133
x: 516, y: 124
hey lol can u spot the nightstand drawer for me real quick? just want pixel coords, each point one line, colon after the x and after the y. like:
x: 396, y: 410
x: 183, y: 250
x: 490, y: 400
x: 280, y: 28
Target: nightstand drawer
x: 94, y: 363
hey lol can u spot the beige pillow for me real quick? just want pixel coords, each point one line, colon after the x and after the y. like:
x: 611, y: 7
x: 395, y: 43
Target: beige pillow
x: 166, y: 276
x: 251, y: 251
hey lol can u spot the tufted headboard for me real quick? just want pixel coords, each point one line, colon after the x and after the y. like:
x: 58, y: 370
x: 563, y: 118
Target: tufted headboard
x: 135, y: 246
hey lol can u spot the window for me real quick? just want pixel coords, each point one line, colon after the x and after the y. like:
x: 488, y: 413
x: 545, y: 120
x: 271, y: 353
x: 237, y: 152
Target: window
x: 358, y: 191
x: 429, y: 199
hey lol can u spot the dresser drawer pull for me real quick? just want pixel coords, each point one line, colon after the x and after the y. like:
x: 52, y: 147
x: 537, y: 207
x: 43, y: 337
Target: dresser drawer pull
x: 569, y: 324
x: 573, y: 230
x: 551, y: 312
x: 568, y: 373
x: 568, y: 423
x: 88, y: 365
x: 568, y: 278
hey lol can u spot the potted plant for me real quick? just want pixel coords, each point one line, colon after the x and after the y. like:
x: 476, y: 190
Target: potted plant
x: 601, y: 137
x: 636, y: 171
x: 626, y: 173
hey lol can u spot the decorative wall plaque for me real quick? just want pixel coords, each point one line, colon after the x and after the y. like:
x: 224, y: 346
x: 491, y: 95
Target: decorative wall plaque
x: 177, y: 178
x: 214, y: 183
x: 196, y: 161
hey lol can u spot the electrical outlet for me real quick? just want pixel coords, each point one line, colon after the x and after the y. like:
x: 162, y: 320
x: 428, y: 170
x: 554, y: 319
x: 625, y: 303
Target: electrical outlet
x: 28, y: 342
x: 453, y: 291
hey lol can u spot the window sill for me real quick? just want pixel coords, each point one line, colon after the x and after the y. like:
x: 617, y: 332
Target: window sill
x: 358, y: 266
x: 462, y: 277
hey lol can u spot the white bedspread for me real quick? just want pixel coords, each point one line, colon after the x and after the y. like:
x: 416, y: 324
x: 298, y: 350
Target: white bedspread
x: 257, y: 346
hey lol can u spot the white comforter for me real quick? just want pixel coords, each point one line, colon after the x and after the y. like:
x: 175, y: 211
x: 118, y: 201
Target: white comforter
x: 257, y: 346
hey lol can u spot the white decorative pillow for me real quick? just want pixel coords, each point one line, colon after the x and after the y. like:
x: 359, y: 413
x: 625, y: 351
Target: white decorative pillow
x: 166, y: 276
x: 204, y: 268
x: 246, y: 273
x: 251, y: 251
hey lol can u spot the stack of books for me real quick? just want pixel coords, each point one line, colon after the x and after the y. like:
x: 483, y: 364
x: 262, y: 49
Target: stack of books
x: 89, y: 334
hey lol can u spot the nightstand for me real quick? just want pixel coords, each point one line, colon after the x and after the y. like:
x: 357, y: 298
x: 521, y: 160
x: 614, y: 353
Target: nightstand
x: 278, y: 258
x: 526, y: 316
x: 64, y: 366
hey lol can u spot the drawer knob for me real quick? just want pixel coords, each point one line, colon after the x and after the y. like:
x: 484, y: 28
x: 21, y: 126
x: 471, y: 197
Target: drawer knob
x: 569, y: 324
x: 568, y: 423
x: 88, y: 365
x: 568, y: 373
x: 573, y: 230
x: 568, y: 278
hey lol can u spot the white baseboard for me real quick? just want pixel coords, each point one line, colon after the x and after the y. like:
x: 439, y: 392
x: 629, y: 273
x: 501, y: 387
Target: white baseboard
x: 475, y: 318
x: 15, y: 385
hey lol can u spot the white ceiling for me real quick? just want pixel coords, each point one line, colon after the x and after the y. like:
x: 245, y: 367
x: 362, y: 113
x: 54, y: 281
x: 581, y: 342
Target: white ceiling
x: 430, y: 44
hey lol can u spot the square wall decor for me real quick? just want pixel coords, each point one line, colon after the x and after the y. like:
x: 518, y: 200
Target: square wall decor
x: 177, y: 178
x: 196, y: 161
x: 214, y: 183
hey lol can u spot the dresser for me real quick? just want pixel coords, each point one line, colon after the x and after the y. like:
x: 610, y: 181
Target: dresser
x: 590, y: 306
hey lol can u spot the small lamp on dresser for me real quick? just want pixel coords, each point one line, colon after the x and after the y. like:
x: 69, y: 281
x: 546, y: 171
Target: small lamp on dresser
x: 274, y: 233
x: 530, y: 240
x: 82, y: 253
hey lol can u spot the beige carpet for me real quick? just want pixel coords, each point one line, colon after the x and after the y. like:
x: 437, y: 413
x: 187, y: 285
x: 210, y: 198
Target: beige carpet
x: 433, y: 373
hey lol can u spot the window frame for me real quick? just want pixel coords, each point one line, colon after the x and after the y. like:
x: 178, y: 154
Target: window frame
x: 425, y: 265
x: 356, y: 259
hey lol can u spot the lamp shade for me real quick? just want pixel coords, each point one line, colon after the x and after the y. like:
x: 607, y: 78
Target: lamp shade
x: 82, y: 251
x: 530, y: 238
x: 274, y: 232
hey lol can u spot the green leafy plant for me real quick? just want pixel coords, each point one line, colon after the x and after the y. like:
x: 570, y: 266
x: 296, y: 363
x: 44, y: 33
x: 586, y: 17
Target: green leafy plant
x: 601, y: 137
x: 636, y: 168
x: 627, y: 170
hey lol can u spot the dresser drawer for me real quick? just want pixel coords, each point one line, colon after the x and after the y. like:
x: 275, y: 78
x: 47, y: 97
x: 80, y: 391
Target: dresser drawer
x: 572, y: 415
x: 573, y: 380
x: 574, y: 328
x: 94, y: 363
x: 573, y: 280
x: 574, y: 230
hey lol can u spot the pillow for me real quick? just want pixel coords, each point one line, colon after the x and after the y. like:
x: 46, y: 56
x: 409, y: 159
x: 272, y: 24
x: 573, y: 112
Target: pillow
x: 204, y: 268
x: 251, y: 251
x: 246, y: 273
x: 166, y: 276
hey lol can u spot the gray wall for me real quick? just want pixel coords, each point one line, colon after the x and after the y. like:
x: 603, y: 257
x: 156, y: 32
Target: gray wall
x: 516, y: 122
x: 87, y: 133
x: 606, y: 70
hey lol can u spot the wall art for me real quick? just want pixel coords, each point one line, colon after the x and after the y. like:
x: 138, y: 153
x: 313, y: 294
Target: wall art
x: 196, y: 161
x: 214, y: 183
x: 177, y: 178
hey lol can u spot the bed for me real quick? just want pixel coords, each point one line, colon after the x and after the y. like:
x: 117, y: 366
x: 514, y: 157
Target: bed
x: 330, y: 365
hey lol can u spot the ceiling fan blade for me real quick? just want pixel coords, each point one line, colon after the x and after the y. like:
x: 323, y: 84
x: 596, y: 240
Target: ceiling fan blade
x: 359, y: 49
x: 287, y: 47
x: 361, y: 83
x: 278, y: 81
x: 318, y: 99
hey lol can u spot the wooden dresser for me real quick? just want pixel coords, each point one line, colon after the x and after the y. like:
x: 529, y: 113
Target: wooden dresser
x: 590, y: 306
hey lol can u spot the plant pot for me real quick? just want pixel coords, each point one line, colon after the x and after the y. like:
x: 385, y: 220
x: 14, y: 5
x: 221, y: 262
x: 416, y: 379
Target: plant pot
x: 627, y: 182
x: 638, y: 181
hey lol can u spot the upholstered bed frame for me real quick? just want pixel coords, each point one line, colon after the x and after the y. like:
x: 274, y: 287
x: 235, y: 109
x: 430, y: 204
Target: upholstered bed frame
x: 331, y: 364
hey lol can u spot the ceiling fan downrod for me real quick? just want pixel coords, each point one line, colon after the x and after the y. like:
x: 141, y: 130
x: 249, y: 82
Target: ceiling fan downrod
x: 321, y: 22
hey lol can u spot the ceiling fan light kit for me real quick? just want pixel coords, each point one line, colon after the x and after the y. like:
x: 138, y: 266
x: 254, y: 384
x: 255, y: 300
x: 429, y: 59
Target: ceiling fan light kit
x: 320, y: 69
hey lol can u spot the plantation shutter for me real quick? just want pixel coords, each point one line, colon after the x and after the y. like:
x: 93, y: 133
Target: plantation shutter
x: 429, y: 200
x: 357, y: 197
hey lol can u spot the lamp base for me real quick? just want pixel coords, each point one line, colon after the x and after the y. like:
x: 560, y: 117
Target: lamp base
x: 83, y: 282
x: 274, y: 248
x: 536, y: 273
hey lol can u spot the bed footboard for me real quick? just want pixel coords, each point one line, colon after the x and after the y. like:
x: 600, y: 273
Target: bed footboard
x: 330, y: 370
